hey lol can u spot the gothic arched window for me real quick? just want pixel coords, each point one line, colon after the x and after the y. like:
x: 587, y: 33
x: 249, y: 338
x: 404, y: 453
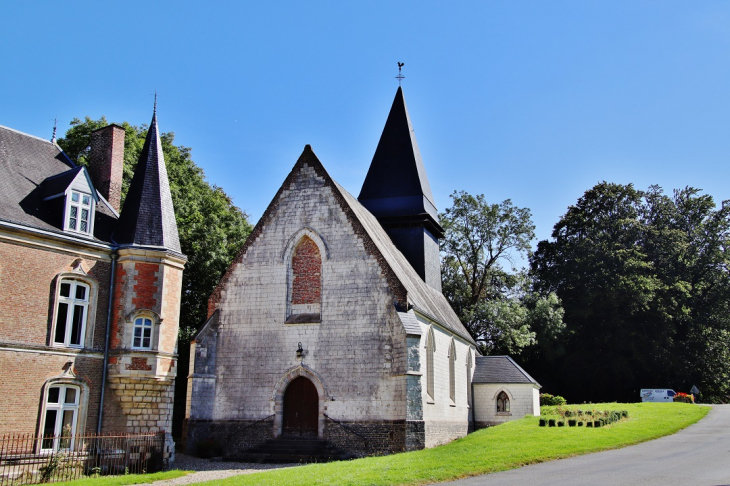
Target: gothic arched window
x: 452, y: 371
x: 305, y: 291
x: 430, y: 348
x: 502, y: 403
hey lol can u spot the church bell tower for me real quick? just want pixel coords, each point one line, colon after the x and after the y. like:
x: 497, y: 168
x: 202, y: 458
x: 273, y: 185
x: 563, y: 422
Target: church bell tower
x: 396, y: 191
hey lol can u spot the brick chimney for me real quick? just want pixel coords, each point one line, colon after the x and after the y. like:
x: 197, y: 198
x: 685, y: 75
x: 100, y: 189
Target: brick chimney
x: 106, y: 163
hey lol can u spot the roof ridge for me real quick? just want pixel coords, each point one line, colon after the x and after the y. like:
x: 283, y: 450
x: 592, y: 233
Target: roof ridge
x: 35, y: 137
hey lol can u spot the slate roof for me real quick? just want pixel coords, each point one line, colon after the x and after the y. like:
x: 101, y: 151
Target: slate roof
x: 25, y: 163
x: 500, y: 369
x: 396, y: 185
x: 148, y: 217
x: 424, y: 298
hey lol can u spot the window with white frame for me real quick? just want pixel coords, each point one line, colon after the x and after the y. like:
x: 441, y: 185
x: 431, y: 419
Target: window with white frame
x: 72, y: 308
x: 430, y: 349
x: 61, y: 416
x: 79, y: 212
x: 142, y: 337
x: 452, y: 372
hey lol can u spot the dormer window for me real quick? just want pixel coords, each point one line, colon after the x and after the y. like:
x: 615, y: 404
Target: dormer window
x: 79, y: 212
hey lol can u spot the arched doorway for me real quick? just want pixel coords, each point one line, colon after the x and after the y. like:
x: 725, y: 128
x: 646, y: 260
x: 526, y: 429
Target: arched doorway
x: 301, y: 408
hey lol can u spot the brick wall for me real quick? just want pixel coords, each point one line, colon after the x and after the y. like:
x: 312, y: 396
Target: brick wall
x: 306, y: 265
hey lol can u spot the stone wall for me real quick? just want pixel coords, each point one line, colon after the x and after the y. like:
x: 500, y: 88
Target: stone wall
x: 524, y: 400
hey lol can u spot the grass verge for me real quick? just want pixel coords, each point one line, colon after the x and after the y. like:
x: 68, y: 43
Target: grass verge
x: 507, y: 446
x: 126, y: 479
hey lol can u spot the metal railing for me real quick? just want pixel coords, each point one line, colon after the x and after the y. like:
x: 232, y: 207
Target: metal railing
x: 30, y: 459
x: 350, y: 430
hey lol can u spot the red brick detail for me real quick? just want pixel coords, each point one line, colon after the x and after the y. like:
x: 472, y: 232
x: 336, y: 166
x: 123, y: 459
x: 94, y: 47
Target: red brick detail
x: 146, y: 286
x: 139, y: 364
x: 117, y: 307
x: 306, y: 264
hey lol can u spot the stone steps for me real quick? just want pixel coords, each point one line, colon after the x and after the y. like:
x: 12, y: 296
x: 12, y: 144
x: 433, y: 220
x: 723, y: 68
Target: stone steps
x: 291, y: 449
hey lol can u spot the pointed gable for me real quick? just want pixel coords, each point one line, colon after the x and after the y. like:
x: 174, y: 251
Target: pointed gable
x: 405, y: 284
x: 396, y: 184
x: 148, y: 217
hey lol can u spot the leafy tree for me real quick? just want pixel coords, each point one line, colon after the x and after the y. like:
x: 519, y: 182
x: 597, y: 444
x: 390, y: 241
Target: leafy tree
x: 495, y: 305
x: 211, y: 228
x: 643, y: 278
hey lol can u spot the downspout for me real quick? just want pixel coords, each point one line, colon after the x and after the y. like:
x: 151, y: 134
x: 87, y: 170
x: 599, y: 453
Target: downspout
x: 106, y: 343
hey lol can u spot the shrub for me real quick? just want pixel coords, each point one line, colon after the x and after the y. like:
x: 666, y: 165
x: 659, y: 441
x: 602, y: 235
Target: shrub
x: 548, y: 399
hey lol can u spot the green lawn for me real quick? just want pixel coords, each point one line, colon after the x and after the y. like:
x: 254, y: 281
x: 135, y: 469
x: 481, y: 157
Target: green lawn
x: 499, y: 448
x: 495, y: 449
x: 126, y: 479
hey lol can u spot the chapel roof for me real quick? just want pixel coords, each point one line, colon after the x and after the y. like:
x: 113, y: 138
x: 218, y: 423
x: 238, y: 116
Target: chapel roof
x: 32, y: 168
x: 396, y: 185
x: 148, y: 216
x: 500, y: 369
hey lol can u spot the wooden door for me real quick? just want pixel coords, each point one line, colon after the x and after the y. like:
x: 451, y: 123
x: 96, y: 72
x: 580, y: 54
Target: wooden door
x: 301, y: 408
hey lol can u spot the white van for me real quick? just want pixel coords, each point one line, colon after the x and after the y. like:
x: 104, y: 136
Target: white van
x: 662, y: 395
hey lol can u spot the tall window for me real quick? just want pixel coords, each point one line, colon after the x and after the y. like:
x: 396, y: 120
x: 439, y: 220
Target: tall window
x: 142, y: 338
x: 71, y: 313
x: 452, y: 371
x: 79, y: 212
x: 430, y: 349
x: 468, y: 378
x: 59, y: 423
x: 502, y: 403
x: 306, y: 265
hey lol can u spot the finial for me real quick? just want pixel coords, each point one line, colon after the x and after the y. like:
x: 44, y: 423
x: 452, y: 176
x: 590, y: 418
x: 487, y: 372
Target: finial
x: 154, y: 111
x: 55, y: 126
x: 400, y: 76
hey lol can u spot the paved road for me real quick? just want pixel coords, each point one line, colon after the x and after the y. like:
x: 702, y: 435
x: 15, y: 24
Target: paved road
x: 696, y: 456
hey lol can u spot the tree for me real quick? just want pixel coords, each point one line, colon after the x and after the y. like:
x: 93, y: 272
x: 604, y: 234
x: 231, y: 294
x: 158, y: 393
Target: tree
x: 496, y: 305
x: 643, y: 278
x: 211, y: 228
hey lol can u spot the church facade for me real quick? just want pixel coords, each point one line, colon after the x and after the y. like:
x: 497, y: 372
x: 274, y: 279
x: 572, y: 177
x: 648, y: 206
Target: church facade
x: 331, y: 321
x: 89, y: 292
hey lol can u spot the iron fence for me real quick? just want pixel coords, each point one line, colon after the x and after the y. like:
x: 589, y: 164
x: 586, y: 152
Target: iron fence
x: 29, y: 459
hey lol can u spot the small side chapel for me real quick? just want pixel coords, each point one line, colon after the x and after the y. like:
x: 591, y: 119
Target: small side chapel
x: 330, y: 323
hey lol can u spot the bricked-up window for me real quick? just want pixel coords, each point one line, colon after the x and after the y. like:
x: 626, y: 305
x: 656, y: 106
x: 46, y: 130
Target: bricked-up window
x: 61, y: 415
x: 502, y: 403
x: 142, y: 337
x: 306, y: 265
x: 430, y: 349
x: 72, y: 309
x: 452, y: 371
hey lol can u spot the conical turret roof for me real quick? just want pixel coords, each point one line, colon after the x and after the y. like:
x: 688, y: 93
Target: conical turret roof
x: 396, y: 184
x: 148, y: 217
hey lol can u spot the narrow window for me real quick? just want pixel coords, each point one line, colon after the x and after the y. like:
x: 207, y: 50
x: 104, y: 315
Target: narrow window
x: 305, y: 294
x: 468, y: 378
x: 79, y: 212
x: 452, y: 372
x: 502, y: 403
x: 59, y: 423
x: 430, y: 348
x: 142, y: 338
x: 72, y: 309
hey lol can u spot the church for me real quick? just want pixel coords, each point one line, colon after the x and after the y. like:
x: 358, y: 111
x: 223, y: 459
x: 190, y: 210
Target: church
x: 330, y: 323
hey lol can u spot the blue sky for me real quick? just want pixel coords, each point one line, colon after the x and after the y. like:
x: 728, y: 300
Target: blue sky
x: 532, y: 101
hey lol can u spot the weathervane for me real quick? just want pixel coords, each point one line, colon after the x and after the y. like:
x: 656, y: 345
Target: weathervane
x: 400, y: 76
x: 55, y: 126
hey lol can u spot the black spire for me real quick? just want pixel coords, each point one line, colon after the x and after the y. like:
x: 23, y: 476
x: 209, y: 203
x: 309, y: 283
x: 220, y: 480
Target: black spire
x: 148, y: 217
x: 397, y: 192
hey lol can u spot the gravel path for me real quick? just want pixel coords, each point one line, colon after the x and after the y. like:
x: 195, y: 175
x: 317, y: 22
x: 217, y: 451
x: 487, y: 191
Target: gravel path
x: 207, y: 470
